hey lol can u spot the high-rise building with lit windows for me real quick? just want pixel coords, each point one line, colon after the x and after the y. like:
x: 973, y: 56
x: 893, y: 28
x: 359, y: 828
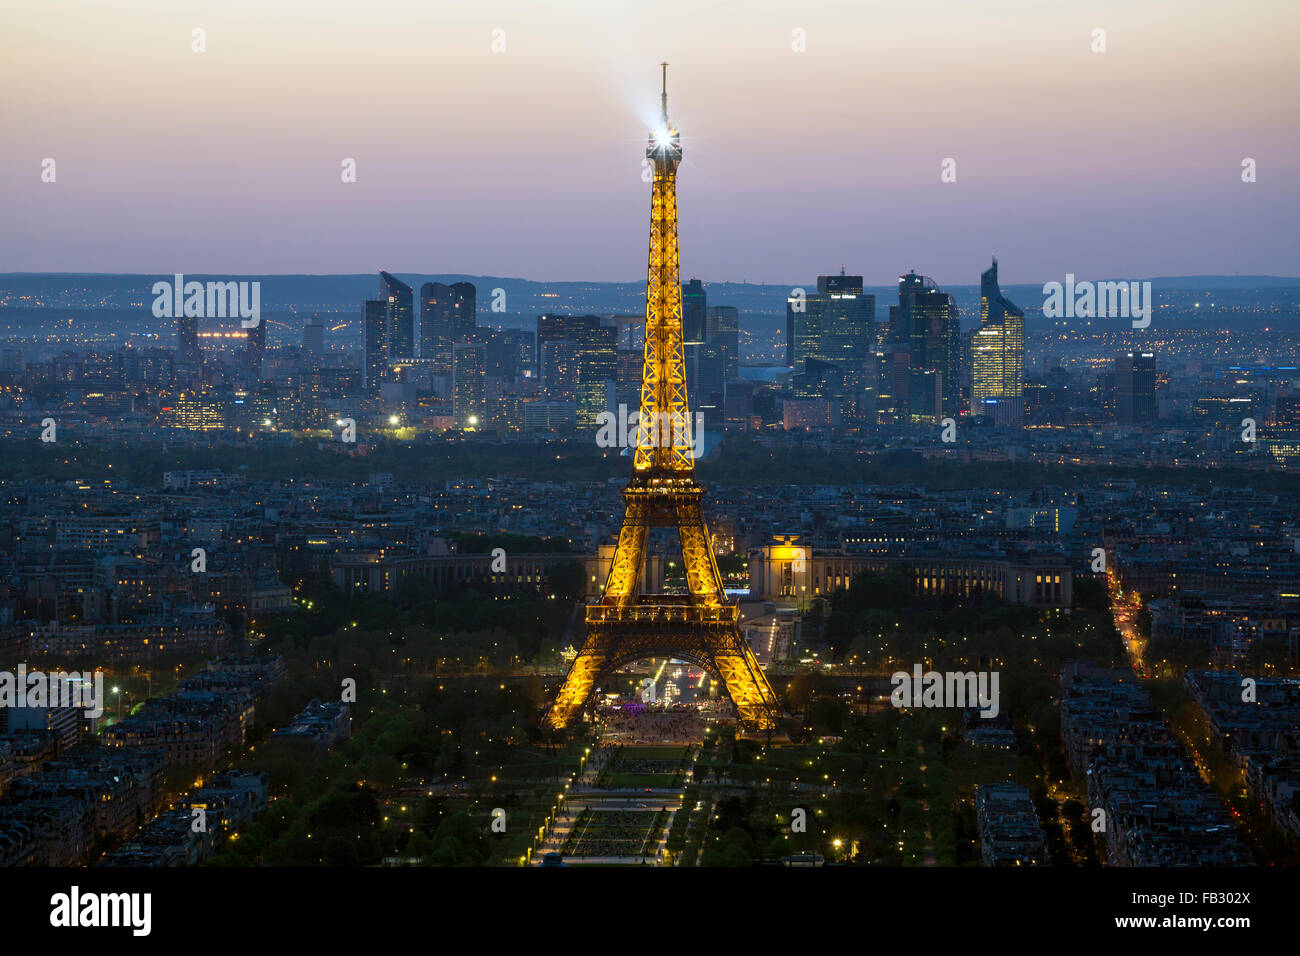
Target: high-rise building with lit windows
x: 399, y: 300
x: 834, y: 324
x: 524, y: 344
x: 578, y: 362
x: 447, y: 315
x: 997, y: 355
x: 469, y: 385
x: 597, y: 372
x: 1135, y: 388
x: 722, y: 331
x: 374, y: 329
x: 925, y: 325
x: 254, y: 348
x: 187, y: 342
x: 694, y: 309
x: 313, y: 341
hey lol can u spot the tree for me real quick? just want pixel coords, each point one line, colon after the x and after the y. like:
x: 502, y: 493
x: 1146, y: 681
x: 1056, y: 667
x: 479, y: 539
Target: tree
x: 807, y: 685
x: 737, y: 848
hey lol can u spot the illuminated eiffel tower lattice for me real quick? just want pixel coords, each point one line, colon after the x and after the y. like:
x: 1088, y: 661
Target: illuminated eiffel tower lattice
x: 627, y: 625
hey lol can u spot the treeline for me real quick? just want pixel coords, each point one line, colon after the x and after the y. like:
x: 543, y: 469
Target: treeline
x: 738, y: 461
x: 470, y: 543
x: 428, y: 624
x: 433, y: 459
x: 742, y: 460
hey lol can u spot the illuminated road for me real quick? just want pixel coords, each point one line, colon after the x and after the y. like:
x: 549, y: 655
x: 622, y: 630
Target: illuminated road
x: 1124, y: 610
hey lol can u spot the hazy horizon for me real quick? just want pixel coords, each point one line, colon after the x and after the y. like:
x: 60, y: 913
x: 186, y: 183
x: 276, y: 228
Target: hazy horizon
x: 527, y: 162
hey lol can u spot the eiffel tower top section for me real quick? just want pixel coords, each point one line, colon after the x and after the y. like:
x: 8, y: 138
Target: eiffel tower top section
x: 664, y: 447
x: 665, y: 146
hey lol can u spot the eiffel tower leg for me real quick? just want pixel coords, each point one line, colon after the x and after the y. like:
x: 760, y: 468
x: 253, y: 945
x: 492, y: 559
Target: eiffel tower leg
x: 746, y: 684
x: 741, y: 674
x: 702, y: 577
x: 620, y: 589
x: 629, y: 555
x: 580, y: 682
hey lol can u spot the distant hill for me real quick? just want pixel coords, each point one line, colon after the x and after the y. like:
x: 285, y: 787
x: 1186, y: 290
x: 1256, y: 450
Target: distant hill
x: 762, y: 306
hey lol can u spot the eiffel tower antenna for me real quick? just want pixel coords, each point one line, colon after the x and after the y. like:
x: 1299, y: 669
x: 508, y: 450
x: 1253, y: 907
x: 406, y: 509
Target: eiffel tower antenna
x: 663, y: 97
x: 627, y: 625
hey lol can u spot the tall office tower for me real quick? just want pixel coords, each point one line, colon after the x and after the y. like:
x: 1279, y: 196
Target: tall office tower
x: 502, y: 359
x: 629, y: 376
x: 549, y: 328
x: 925, y: 322
x: 848, y: 330
x: 558, y: 365
x: 893, y: 383
x: 374, y: 362
x: 400, y: 302
x: 187, y: 341
x: 834, y: 324
x: 469, y: 385
x: 254, y: 347
x: 705, y: 384
x: 577, y: 356
x: 803, y: 331
x: 309, y: 388
x: 1135, y: 388
x: 448, y: 314
x: 524, y: 343
x: 313, y: 341
x: 694, y: 310
x: 694, y: 320
x: 722, y: 330
x: 597, y: 371
x: 559, y: 370
x: 998, y: 355
x: 848, y: 319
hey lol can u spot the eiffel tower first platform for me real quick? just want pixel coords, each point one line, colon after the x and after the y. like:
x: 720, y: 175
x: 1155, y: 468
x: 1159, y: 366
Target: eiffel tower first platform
x: 627, y: 625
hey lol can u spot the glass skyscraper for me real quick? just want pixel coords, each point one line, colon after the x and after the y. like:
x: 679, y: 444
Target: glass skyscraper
x: 469, y: 385
x: 447, y: 316
x: 998, y: 355
x: 1135, y: 388
x: 837, y: 324
x: 578, y: 359
x: 926, y: 324
x: 399, y: 300
x: 374, y: 365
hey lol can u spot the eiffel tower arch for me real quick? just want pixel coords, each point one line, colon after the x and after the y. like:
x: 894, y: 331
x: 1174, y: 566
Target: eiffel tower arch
x: 626, y: 624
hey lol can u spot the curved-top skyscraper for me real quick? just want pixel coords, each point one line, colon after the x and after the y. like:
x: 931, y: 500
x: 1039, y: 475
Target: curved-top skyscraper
x: 997, y: 348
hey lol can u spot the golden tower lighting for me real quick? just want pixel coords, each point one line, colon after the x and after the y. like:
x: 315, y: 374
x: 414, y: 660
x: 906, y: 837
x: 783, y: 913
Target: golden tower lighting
x: 626, y: 625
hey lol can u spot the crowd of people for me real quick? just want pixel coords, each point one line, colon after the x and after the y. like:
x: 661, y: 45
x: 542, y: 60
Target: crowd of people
x: 618, y: 833
x: 682, y: 725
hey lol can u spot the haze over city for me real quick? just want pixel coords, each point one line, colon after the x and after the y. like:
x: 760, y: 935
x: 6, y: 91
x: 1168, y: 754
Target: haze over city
x: 527, y: 161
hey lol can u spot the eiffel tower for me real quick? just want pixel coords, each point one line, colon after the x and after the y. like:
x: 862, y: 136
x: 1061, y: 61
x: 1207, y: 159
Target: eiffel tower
x: 627, y: 625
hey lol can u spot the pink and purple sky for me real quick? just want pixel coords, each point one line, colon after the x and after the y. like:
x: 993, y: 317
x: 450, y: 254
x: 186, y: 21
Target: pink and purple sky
x: 527, y: 162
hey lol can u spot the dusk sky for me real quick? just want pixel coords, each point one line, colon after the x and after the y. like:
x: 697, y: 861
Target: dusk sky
x: 527, y: 162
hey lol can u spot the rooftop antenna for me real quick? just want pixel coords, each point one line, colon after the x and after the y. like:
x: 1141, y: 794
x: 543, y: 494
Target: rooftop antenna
x: 663, y: 99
